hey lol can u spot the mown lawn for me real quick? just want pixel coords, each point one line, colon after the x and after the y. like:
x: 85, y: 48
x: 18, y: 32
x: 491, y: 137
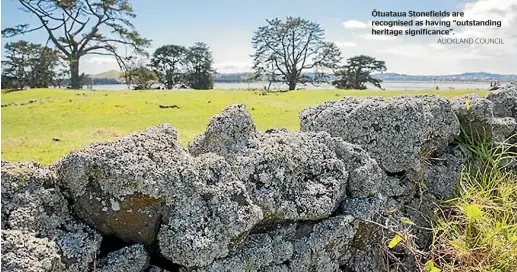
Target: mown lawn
x: 79, y: 118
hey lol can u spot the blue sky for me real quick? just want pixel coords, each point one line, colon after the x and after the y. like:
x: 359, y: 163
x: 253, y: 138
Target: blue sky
x: 227, y: 27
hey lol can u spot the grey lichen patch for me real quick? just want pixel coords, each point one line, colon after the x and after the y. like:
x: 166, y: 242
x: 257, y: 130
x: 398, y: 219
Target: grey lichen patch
x: 209, y: 215
x: 115, y: 206
x: 293, y: 175
x: 36, y: 215
x: 21, y: 251
x: 392, y: 130
x: 128, y: 259
x: 227, y: 133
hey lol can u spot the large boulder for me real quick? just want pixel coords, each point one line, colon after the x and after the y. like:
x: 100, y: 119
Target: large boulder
x: 33, y: 205
x: 477, y: 119
x: 210, y: 214
x: 146, y: 188
x: 119, y: 187
x: 394, y: 131
x: 302, y: 246
x: 504, y: 101
x: 22, y: 251
x: 292, y: 175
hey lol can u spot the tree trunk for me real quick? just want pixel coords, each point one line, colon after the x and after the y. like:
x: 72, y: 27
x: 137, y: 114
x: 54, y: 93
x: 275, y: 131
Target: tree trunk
x: 292, y: 84
x: 75, y: 80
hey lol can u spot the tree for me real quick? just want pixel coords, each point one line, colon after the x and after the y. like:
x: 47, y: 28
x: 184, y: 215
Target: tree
x: 29, y: 65
x: 290, y: 48
x: 357, y: 72
x: 169, y: 63
x: 142, y: 77
x: 199, y: 67
x: 80, y: 27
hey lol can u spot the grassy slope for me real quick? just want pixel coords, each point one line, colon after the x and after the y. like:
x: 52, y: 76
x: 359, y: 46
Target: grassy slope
x: 79, y: 120
x: 114, y: 74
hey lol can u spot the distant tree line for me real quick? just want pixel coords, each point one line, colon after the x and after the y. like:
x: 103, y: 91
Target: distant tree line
x: 294, y: 51
x: 291, y: 51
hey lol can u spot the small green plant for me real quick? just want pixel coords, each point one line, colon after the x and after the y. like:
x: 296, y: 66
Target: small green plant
x: 477, y: 231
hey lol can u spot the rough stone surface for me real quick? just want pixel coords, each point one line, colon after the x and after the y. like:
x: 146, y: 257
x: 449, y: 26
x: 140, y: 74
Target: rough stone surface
x: 293, y: 175
x: 227, y: 132
x: 395, y: 131
x: 22, y: 251
x: 442, y: 174
x: 127, y: 188
x: 504, y: 101
x: 212, y: 212
x: 119, y: 187
x: 477, y: 119
x: 128, y: 259
x: 291, y: 247
x: 31, y: 204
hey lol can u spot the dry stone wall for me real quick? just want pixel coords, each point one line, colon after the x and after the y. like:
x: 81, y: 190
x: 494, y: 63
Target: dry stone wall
x: 237, y: 199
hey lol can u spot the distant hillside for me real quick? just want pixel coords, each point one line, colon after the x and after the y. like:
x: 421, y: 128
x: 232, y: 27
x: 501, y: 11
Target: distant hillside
x: 479, y: 76
x: 111, y: 74
x: 235, y: 77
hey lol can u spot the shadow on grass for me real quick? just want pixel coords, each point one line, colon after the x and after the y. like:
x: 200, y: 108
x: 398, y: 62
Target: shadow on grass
x: 11, y: 90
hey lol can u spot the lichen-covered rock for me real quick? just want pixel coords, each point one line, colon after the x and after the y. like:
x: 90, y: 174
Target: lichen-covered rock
x: 293, y: 175
x: 326, y: 248
x: 477, y: 119
x: 33, y: 208
x: 504, y: 101
x: 128, y: 259
x: 441, y: 175
x: 78, y: 245
x: 363, y: 208
x: 31, y: 204
x: 303, y: 246
x: 145, y: 187
x: 22, y: 251
x: 395, y: 131
x: 212, y: 212
x: 227, y: 132
x: 119, y: 187
x: 257, y: 252
x: 366, y: 178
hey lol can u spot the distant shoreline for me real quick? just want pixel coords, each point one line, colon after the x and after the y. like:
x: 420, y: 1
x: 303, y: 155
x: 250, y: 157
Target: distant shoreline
x: 385, y: 81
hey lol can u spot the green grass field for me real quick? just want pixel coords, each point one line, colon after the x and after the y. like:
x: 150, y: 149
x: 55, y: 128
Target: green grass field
x: 79, y: 118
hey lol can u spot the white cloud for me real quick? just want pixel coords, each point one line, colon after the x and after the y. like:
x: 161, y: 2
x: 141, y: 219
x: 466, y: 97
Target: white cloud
x: 437, y: 46
x: 377, y: 37
x: 93, y: 64
x: 233, y: 67
x: 346, y: 44
x: 355, y: 24
x: 424, y: 55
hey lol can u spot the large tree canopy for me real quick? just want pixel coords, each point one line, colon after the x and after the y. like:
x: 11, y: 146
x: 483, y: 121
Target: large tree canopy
x: 27, y: 64
x: 81, y: 27
x: 287, y: 49
x: 357, y: 72
x: 170, y: 63
x: 199, y: 67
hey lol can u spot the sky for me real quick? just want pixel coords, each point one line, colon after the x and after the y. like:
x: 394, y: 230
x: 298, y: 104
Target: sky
x: 227, y: 26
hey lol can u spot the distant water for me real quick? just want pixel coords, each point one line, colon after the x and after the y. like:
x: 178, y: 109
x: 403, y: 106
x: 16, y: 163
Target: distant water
x: 387, y: 85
